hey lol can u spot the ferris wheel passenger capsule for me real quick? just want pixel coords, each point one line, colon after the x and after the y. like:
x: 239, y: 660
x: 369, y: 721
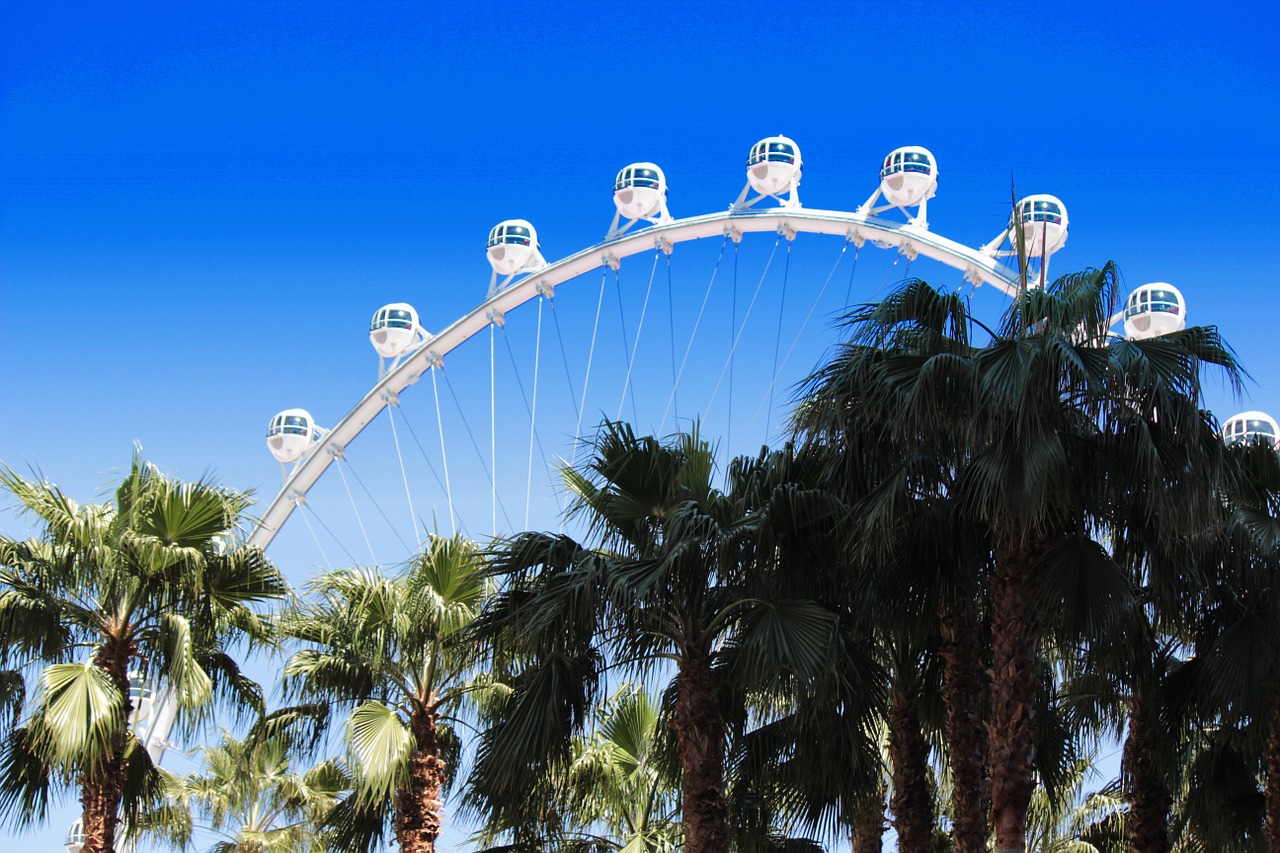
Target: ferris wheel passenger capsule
x: 909, y: 176
x: 394, y: 330
x: 291, y: 434
x: 1248, y: 427
x: 74, y: 841
x: 512, y: 246
x: 1044, y: 224
x: 640, y: 191
x: 1154, y: 309
x: 773, y: 167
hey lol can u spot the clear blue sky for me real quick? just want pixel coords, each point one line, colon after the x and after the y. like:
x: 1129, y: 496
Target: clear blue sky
x: 202, y: 204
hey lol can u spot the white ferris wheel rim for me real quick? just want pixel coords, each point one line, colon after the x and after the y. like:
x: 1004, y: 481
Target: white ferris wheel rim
x: 978, y: 267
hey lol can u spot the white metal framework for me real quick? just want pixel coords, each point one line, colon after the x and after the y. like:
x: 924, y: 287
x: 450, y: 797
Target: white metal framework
x: 859, y: 228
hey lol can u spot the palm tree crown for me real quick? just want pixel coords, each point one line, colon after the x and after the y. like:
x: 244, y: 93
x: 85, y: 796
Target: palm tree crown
x: 388, y: 650
x: 156, y: 584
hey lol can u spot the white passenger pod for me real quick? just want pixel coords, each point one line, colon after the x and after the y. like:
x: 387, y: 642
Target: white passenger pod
x: 909, y: 178
x: 1039, y: 224
x: 773, y: 170
x: 639, y: 193
x: 1154, y: 309
x: 1248, y: 427
x: 512, y: 249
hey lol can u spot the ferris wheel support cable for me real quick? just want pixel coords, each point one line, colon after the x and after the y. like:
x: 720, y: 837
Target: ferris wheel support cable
x: 413, y: 433
x: 524, y: 398
x: 533, y: 415
x: 777, y: 340
x: 327, y: 564
x: 976, y: 265
x: 564, y: 358
x: 768, y: 398
x: 733, y: 328
x: 332, y: 535
x: 848, y: 290
x: 395, y: 437
x: 631, y: 362
x: 359, y: 520
x: 444, y: 456
x: 493, y: 429
x: 728, y: 364
x: 591, y: 354
x: 693, y: 334
x: 671, y: 328
x: 626, y: 344
x: 466, y: 425
x: 369, y: 494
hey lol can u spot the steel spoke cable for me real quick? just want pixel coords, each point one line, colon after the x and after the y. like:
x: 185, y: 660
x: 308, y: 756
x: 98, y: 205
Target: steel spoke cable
x: 325, y: 528
x: 884, y: 282
x: 692, y: 335
x: 414, y: 433
x: 671, y: 324
x: 493, y: 431
x: 777, y: 339
x: 395, y: 436
x: 626, y: 385
x: 533, y: 415
x: 733, y: 326
x: 591, y: 353
x: 848, y: 291
x: 359, y: 520
x: 444, y: 457
x: 564, y: 356
x: 374, y: 501
x: 448, y: 384
x: 626, y: 344
x: 328, y: 565
x: 800, y: 334
x: 742, y: 328
x: 515, y: 369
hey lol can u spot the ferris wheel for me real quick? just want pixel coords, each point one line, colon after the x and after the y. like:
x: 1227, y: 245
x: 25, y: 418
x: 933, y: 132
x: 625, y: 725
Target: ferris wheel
x: 893, y: 217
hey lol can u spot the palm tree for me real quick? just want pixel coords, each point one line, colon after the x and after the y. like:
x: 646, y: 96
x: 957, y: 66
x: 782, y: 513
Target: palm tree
x: 677, y: 580
x: 619, y: 790
x: 249, y: 795
x: 1019, y: 426
x: 156, y: 583
x: 389, y: 650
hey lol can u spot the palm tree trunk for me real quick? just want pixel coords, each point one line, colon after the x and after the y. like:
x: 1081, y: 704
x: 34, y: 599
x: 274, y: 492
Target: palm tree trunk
x: 963, y: 692
x: 1272, y: 758
x: 418, y: 805
x: 868, y: 826
x: 700, y: 734
x: 909, y: 753
x: 101, y: 787
x: 1148, y: 798
x: 1013, y: 689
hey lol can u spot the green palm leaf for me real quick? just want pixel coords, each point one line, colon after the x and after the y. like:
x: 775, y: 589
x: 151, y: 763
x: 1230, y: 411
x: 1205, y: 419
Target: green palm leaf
x: 80, y: 713
x: 380, y: 745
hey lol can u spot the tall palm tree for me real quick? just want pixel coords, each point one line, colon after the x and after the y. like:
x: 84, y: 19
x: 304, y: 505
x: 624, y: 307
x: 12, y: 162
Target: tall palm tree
x: 1019, y: 423
x: 157, y: 583
x: 619, y: 790
x: 389, y: 650
x: 676, y: 580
